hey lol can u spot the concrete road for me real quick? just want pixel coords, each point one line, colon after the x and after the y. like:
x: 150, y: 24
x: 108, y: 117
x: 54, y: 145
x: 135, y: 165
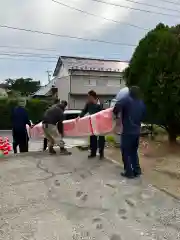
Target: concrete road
x: 62, y: 198
x: 37, y: 145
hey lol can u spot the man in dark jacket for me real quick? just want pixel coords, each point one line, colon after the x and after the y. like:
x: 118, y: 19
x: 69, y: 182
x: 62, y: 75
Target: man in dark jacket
x: 132, y: 111
x: 93, y: 106
x: 19, y: 121
x: 45, y: 141
x: 53, y: 127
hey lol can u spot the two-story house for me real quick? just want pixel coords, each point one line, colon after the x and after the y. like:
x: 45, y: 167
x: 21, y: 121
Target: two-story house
x: 74, y: 76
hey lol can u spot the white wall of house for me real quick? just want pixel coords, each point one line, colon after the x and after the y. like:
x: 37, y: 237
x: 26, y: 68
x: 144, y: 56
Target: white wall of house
x: 77, y: 102
x: 3, y: 93
x: 102, y: 82
x: 63, y: 84
x: 74, y: 88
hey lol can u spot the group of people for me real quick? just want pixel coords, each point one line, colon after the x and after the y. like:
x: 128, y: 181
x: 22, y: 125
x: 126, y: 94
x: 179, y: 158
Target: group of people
x: 132, y: 111
x: 52, y: 123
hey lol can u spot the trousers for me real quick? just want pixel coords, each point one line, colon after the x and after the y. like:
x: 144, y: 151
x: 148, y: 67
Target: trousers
x: 20, y: 138
x: 95, y: 143
x: 129, y: 150
x: 52, y: 135
x: 45, y: 144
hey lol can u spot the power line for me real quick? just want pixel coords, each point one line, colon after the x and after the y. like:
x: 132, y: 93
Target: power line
x: 28, y: 48
x: 22, y: 55
x: 25, y: 59
x: 140, y: 3
x: 167, y: 1
x: 66, y: 36
x: 37, y: 57
x: 35, y: 54
x: 36, y: 60
x: 29, y: 54
x: 97, y: 16
x: 108, y: 19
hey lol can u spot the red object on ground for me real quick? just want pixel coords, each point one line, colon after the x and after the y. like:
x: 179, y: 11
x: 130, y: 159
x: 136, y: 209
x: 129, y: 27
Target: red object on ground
x: 9, y: 148
x: 5, y: 146
x: 6, y: 152
x: 1, y: 146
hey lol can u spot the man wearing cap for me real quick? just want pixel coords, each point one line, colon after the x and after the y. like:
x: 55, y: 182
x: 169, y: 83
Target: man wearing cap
x: 53, y: 127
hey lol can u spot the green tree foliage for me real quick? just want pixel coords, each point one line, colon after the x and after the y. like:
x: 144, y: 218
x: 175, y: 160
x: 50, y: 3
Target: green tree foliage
x: 155, y: 68
x: 25, y: 86
x: 35, y: 108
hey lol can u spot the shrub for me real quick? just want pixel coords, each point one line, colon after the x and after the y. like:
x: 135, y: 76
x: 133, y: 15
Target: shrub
x: 35, y: 108
x: 110, y: 139
x: 154, y: 67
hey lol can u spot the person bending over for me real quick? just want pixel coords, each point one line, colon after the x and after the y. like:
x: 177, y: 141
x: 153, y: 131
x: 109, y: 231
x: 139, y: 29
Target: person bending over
x: 45, y: 141
x: 53, y: 127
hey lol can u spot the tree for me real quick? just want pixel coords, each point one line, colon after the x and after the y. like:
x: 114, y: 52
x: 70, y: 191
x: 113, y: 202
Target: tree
x: 26, y: 86
x: 155, y: 68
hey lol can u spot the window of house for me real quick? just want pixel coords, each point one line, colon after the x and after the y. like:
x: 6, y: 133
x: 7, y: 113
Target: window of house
x: 114, y: 82
x: 121, y: 79
x: 90, y: 81
x: 102, y: 82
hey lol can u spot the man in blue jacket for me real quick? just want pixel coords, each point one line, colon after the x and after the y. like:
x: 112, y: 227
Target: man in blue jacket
x: 132, y: 111
x: 19, y: 121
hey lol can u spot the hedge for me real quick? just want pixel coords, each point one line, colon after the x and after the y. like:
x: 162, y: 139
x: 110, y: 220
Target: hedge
x: 35, y: 109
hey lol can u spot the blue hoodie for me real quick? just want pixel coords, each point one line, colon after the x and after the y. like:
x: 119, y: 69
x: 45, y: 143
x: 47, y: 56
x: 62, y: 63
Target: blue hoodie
x: 20, y: 119
x: 132, y: 112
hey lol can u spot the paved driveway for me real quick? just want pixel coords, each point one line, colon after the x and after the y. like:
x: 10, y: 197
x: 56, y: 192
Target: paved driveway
x: 37, y: 145
x: 48, y: 198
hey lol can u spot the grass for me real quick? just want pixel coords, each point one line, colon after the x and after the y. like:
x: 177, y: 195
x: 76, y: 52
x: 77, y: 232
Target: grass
x: 160, y: 163
x: 110, y: 139
x: 157, y: 130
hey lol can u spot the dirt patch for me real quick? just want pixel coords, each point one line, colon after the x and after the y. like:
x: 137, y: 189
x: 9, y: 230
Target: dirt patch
x: 160, y: 163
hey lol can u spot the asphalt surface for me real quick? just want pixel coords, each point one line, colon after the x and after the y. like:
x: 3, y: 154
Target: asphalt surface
x: 71, y: 197
x: 37, y: 144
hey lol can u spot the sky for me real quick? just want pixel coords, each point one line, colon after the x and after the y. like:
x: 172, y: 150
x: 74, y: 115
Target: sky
x: 18, y: 54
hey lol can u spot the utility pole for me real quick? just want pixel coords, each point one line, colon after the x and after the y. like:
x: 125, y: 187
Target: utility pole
x: 49, y: 75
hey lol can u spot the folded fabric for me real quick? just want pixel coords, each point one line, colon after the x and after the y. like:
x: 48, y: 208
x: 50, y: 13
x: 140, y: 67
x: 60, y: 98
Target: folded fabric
x: 100, y: 123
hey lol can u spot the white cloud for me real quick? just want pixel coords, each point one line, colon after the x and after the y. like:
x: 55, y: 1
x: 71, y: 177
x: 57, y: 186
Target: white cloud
x: 48, y: 16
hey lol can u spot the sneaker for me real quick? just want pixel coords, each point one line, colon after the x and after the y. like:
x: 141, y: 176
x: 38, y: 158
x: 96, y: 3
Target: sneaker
x: 52, y: 151
x: 64, y: 151
x: 124, y: 174
x: 138, y: 174
x: 91, y: 156
x: 101, y: 156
